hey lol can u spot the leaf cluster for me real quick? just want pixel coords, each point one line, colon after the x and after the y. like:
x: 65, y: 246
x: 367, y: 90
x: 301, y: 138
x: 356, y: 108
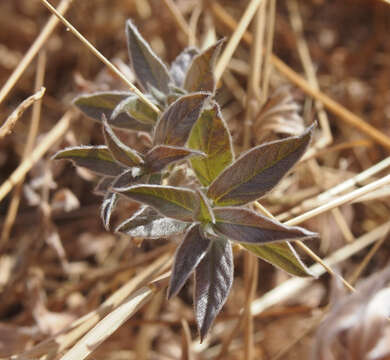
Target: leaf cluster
x: 211, y: 212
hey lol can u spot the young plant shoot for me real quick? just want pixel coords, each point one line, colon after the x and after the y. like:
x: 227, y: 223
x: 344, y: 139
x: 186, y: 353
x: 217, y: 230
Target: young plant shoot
x: 211, y: 212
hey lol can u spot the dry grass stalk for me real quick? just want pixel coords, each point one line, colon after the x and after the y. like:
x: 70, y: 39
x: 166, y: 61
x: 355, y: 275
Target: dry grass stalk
x: 10, y: 123
x: 50, y: 139
x: 101, y: 57
x: 34, y: 49
x: 333, y: 106
x: 32, y: 134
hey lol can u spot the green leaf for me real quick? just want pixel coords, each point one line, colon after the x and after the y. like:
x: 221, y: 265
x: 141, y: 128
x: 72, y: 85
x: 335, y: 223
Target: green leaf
x: 203, y: 213
x: 135, y: 108
x: 258, y: 171
x: 246, y: 226
x: 162, y: 155
x: 174, y: 202
x: 281, y: 255
x: 95, y: 158
x: 102, y: 104
x: 180, y: 65
x: 175, y: 124
x: 211, y: 135
x: 121, y: 152
x: 148, y: 68
x: 188, y: 255
x: 146, y: 223
x: 213, y: 281
x: 200, y: 75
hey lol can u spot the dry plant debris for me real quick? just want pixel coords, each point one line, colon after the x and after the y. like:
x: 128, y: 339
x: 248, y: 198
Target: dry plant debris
x: 70, y: 289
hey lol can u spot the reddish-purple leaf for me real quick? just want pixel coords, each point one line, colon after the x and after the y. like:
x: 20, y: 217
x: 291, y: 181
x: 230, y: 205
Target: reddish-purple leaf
x: 129, y: 177
x: 213, y: 280
x: 175, y: 124
x: 95, y: 158
x: 203, y: 213
x: 281, y: 255
x: 174, y: 202
x: 188, y: 255
x: 121, y: 152
x: 108, y: 205
x: 246, y: 226
x: 200, y: 74
x: 258, y: 171
x: 162, y: 155
x: 180, y: 65
x: 147, y: 223
x: 211, y: 135
x: 102, y: 104
x: 149, y: 69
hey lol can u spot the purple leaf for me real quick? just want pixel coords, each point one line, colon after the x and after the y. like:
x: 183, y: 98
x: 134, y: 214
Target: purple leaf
x: 103, y: 185
x: 258, y: 171
x: 211, y: 135
x: 108, y: 205
x: 176, y: 122
x: 203, y: 213
x: 174, y: 202
x: 246, y: 226
x: 102, y: 104
x: 200, y: 74
x: 121, y: 152
x: 213, y: 280
x: 95, y: 158
x: 162, y: 155
x: 188, y: 255
x: 149, y: 69
x: 180, y: 65
x: 281, y: 255
x: 147, y: 223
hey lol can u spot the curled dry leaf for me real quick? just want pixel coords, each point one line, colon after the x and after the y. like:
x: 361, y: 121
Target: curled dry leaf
x: 357, y: 323
x: 280, y: 114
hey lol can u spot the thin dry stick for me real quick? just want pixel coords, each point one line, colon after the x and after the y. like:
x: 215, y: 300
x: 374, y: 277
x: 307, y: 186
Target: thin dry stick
x: 344, y: 199
x: 101, y: 57
x: 251, y: 277
x: 33, y: 50
x: 236, y: 38
x: 52, y: 136
x: 254, y: 75
x: 358, y: 271
x: 304, y: 54
x: 253, y: 83
x: 293, y: 285
x: 334, y: 107
x: 178, y: 17
x: 32, y: 134
x: 18, y: 112
x: 268, y: 50
x: 336, y: 190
